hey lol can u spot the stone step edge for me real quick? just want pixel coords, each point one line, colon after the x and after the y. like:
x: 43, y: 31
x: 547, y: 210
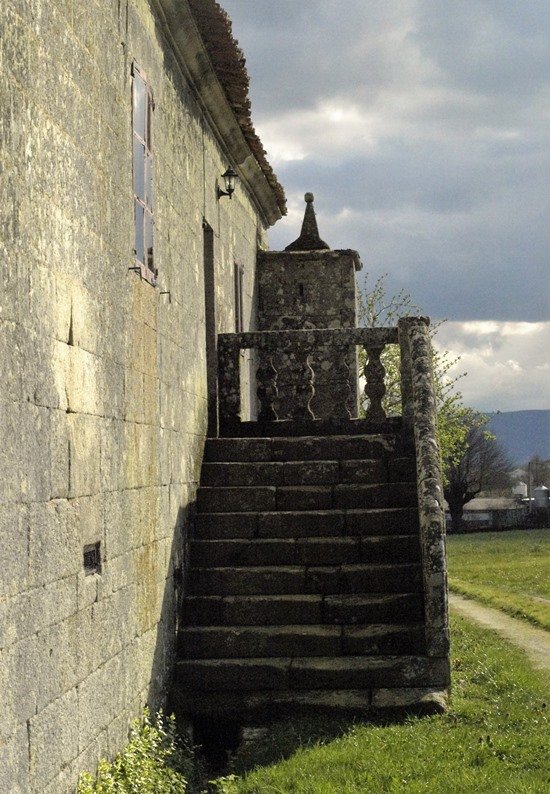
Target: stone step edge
x: 306, y: 541
x: 306, y: 609
x: 270, y: 524
x: 337, y: 471
x: 299, y: 672
x: 340, y: 628
x: 346, y: 486
x: 345, y: 566
x: 337, y: 511
x: 251, y: 704
x: 268, y: 448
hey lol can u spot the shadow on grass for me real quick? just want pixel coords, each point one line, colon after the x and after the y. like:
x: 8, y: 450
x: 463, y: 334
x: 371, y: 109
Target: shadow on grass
x: 280, y: 739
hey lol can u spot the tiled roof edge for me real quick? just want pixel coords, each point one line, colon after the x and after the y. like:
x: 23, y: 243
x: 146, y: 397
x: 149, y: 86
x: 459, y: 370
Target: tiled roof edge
x: 229, y: 63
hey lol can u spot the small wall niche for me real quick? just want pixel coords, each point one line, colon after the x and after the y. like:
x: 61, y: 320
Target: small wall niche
x: 92, y: 559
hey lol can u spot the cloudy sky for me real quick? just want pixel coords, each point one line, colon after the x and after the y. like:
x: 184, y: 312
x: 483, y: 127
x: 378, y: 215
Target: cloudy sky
x: 423, y: 129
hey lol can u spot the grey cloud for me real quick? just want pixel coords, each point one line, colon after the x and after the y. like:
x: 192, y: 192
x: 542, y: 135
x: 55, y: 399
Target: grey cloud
x: 452, y: 198
x: 494, y: 46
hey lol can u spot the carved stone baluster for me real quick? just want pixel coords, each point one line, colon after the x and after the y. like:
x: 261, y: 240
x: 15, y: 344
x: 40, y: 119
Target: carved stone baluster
x: 350, y: 401
x: 374, y: 389
x: 342, y: 386
x: 266, y: 379
x: 310, y: 387
x: 303, y: 377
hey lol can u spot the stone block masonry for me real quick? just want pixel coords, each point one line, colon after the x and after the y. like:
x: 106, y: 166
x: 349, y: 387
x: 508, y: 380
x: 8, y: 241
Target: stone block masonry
x: 103, y: 396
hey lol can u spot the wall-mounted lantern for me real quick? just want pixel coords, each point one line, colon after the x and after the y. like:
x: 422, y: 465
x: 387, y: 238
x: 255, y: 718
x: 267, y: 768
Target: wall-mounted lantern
x: 230, y: 178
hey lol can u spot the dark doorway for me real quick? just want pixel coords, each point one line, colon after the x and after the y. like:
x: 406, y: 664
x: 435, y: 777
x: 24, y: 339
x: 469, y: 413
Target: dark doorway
x: 211, y: 328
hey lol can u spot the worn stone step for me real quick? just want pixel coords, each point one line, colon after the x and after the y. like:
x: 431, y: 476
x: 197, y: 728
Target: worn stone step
x: 336, y: 426
x: 381, y: 521
x: 381, y: 495
x: 335, y: 447
x: 252, y: 610
x: 367, y: 609
x: 226, y: 642
x: 239, y: 499
x: 355, y: 672
x: 290, y: 498
x: 348, y: 672
x: 382, y: 639
x: 389, y: 469
x: 311, y: 472
x: 304, y: 551
x: 314, y: 472
x: 247, y: 450
x: 255, y: 705
x: 296, y: 579
x: 306, y: 523
x: 282, y: 609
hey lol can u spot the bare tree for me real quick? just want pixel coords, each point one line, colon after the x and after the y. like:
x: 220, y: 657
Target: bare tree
x: 480, y: 466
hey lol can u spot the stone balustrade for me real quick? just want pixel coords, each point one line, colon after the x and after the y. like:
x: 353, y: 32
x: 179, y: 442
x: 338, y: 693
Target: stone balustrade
x: 292, y: 370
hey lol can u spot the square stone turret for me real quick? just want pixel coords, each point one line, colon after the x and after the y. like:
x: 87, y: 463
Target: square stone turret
x: 308, y: 286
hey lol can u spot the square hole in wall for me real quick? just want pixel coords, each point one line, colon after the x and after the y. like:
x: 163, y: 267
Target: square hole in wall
x: 92, y: 558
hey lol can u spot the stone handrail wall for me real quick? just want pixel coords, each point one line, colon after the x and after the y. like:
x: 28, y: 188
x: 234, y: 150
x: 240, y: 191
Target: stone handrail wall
x: 419, y: 428
x: 297, y: 349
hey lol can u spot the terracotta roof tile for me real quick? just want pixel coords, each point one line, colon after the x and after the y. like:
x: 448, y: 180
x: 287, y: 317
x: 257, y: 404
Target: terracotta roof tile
x: 229, y: 64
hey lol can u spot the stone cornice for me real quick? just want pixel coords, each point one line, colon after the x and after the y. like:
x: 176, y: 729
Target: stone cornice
x: 179, y: 26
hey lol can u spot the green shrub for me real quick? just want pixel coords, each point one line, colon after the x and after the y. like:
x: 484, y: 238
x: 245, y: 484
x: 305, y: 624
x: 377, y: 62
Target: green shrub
x: 154, y: 760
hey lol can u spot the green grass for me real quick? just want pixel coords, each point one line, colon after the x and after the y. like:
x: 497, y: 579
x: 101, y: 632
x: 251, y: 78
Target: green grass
x: 507, y: 570
x: 495, y: 738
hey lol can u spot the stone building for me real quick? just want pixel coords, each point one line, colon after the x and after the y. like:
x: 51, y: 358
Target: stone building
x: 120, y: 262
x: 144, y: 327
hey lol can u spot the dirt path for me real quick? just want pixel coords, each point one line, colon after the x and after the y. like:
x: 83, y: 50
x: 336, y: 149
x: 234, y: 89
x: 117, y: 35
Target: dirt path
x: 535, y: 642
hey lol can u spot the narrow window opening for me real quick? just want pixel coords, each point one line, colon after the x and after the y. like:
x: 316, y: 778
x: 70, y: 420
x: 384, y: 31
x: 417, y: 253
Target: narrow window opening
x: 301, y: 290
x: 238, y: 273
x: 142, y: 104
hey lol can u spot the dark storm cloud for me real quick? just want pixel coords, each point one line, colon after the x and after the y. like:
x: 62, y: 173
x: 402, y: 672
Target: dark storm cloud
x: 422, y: 129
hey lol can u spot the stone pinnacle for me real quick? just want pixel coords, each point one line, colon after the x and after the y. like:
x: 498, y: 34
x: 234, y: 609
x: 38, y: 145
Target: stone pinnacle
x: 309, y: 239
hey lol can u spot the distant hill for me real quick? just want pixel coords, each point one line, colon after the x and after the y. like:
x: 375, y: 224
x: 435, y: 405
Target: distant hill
x: 522, y: 434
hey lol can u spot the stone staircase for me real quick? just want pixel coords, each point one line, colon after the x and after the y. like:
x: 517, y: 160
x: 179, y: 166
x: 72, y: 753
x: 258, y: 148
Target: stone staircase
x: 305, y: 581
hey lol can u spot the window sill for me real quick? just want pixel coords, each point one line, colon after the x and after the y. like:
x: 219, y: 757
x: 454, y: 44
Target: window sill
x: 145, y: 274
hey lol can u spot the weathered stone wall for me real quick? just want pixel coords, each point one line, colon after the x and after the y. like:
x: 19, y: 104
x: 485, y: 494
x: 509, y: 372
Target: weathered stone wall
x: 102, y: 377
x: 306, y: 290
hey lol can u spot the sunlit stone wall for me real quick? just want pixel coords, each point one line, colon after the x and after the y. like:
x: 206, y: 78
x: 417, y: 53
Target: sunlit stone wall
x: 102, y: 376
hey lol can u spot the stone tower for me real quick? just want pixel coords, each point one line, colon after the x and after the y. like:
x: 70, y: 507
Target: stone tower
x: 309, y: 286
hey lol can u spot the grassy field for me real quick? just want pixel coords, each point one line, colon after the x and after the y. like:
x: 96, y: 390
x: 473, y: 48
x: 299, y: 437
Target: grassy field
x: 508, y: 570
x: 494, y: 740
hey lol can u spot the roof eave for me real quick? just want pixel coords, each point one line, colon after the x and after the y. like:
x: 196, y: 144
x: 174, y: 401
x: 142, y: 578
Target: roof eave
x: 182, y: 33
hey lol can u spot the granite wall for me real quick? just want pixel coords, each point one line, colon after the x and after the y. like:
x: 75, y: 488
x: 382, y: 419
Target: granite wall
x: 102, y: 376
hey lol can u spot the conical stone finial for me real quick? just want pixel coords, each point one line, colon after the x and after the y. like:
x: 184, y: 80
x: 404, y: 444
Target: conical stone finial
x: 309, y: 239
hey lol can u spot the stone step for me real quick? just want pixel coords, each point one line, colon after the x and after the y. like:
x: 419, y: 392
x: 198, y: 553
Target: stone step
x: 258, y: 705
x: 297, y: 579
x: 289, y: 498
x: 228, y: 642
x: 312, y: 472
x: 345, y: 447
x: 346, y: 672
x: 306, y: 523
x: 282, y: 609
x: 304, y: 551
